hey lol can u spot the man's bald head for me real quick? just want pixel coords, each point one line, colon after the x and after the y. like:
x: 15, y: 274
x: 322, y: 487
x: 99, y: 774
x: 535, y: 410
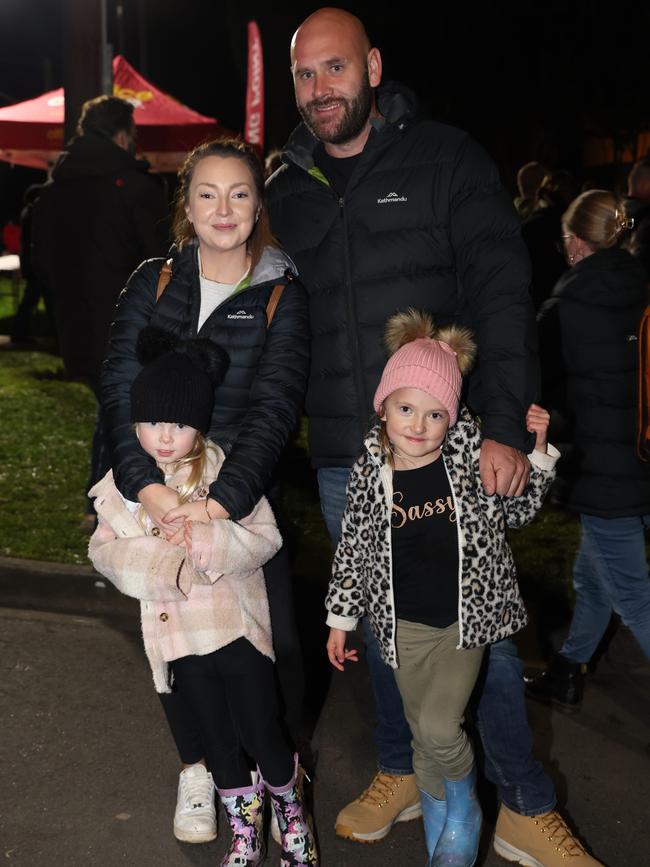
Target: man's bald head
x: 335, y: 71
x: 341, y: 25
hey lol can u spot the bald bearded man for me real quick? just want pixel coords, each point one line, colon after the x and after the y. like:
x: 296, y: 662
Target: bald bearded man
x: 382, y: 210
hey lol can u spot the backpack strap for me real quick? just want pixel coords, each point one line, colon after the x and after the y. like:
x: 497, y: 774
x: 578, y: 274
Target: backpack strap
x: 163, y: 278
x: 278, y: 289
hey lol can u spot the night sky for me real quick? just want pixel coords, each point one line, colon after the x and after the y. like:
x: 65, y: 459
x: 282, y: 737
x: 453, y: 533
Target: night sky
x: 530, y: 80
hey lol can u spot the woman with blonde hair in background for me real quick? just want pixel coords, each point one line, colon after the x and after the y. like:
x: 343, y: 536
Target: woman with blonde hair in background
x: 588, y: 342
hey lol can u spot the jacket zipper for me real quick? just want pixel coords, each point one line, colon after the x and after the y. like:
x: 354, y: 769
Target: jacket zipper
x: 351, y: 311
x: 319, y: 178
x: 234, y: 294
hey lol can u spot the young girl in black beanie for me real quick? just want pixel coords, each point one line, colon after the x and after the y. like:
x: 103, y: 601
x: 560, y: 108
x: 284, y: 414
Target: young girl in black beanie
x: 205, y: 618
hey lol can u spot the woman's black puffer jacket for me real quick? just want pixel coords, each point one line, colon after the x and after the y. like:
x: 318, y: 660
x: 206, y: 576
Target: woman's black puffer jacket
x: 588, y: 342
x: 257, y: 405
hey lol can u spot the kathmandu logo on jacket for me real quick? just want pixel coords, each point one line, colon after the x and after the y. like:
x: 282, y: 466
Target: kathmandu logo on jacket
x: 240, y: 314
x: 391, y: 198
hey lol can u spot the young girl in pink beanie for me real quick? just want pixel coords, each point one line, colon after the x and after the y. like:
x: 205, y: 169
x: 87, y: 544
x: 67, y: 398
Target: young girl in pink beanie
x: 423, y: 554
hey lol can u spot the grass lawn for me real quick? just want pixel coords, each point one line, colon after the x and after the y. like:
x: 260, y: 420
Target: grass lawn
x: 45, y: 435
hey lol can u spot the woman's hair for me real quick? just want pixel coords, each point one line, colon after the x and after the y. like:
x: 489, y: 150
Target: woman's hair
x: 598, y: 218
x: 183, y: 230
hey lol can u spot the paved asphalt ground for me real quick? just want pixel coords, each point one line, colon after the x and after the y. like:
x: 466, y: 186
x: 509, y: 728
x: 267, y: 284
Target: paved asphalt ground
x: 89, y: 769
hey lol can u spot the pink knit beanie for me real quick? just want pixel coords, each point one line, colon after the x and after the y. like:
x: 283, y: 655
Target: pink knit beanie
x: 428, y: 364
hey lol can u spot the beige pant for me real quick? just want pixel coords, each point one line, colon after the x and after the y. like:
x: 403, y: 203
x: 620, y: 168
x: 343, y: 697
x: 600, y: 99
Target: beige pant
x: 436, y: 681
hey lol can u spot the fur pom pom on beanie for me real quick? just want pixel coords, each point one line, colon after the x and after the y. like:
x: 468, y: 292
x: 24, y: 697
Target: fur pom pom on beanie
x: 425, y: 357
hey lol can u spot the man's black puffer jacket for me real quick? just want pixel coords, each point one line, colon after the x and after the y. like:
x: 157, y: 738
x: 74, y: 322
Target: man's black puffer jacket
x: 588, y: 331
x: 257, y: 405
x: 424, y: 223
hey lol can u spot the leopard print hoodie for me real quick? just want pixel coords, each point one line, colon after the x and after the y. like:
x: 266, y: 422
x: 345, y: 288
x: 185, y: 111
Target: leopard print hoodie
x: 489, y: 606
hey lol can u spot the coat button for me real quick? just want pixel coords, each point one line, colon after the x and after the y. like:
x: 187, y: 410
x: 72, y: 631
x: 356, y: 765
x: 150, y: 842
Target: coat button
x: 155, y: 531
x: 202, y: 492
x: 164, y: 617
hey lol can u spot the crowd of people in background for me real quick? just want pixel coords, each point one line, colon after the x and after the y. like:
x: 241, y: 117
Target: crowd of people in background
x: 369, y: 210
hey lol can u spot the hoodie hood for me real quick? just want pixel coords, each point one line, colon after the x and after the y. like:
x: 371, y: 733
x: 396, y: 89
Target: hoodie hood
x: 272, y: 267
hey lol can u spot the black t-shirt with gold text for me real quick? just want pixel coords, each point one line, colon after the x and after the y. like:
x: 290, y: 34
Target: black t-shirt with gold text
x: 425, y: 546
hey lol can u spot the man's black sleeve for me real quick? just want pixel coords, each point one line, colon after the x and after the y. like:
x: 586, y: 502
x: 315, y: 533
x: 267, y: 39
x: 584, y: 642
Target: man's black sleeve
x: 494, y: 275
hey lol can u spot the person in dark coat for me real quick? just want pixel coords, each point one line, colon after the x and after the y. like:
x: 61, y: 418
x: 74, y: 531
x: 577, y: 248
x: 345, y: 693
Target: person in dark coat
x: 102, y: 213
x: 35, y: 288
x: 226, y: 280
x: 588, y: 334
x: 542, y: 233
x: 637, y: 207
x: 382, y: 209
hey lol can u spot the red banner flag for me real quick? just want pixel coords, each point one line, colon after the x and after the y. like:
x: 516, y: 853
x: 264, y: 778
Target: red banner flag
x: 254, y: 129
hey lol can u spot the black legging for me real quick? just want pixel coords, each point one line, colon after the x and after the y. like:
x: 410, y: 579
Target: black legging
x: 232, y: 695
x: 288, y: 669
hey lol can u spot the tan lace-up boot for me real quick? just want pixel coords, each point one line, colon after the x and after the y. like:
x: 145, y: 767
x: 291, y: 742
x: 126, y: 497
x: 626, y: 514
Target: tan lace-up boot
x: 539, y: 841
x: 387, y: 800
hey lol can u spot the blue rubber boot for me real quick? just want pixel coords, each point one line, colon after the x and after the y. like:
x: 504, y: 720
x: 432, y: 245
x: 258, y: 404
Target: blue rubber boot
x: 434, y: 813
x: 458, y: 843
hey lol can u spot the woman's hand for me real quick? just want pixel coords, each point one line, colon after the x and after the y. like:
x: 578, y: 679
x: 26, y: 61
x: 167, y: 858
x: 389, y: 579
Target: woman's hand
x: 188, y: 512
x: 157, y: 501
x: 336, y: 652
x: 537, y: 421
x: 202, y: 511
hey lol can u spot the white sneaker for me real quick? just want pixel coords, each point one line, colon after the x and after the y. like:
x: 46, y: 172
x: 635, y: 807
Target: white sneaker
x: 195, y: 819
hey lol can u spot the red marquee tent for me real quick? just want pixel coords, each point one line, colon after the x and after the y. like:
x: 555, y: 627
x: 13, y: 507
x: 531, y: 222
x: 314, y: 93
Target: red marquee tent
x: 31, y: 132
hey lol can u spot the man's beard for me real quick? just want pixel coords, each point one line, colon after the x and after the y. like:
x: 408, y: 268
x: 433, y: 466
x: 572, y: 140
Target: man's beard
x: 355, y: 115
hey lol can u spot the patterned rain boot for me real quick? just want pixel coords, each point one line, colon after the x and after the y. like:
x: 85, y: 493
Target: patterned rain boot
x: 434, y: 815
x: 458, y: 843
x: 296, y: 839
x: 245, y: 811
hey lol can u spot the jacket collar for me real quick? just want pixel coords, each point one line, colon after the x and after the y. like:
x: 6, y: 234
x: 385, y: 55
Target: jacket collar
x: 272, y: 266
x: 608, y: 278
x: 398, y: 107
x: 215, y: 458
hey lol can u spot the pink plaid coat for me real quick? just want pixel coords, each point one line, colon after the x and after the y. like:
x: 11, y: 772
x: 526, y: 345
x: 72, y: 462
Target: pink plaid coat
x: 183, y: 611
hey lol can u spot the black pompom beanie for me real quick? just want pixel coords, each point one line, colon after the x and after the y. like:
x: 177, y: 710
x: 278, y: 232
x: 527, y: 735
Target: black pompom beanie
x: 177, y: 381
x: 173, y: 388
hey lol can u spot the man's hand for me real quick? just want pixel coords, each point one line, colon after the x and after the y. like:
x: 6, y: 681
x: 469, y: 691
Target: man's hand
x: 157, y: 501
x: 336, y: 651
x: 504, y: 470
